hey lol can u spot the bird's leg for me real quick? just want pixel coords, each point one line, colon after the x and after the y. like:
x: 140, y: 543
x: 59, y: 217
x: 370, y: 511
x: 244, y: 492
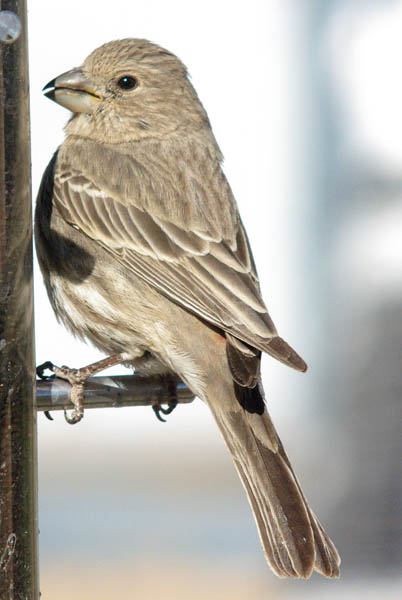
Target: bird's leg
x: 77, y: 379
x: 170, y: 382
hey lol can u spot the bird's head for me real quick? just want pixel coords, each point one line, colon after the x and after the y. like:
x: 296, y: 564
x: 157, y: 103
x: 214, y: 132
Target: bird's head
x: 128, y: 90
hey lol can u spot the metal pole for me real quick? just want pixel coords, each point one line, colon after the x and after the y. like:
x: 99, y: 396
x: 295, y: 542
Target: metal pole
x: 115, y: 391
x: 18, y: 457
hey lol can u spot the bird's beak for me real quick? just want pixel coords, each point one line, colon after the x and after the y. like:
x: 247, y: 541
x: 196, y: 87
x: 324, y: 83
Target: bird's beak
x: 73, y: 91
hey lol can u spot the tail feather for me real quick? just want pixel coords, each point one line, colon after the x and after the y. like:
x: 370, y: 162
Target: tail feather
x: 327, y: 559
x: 294, y: 542
x: 271, y: 543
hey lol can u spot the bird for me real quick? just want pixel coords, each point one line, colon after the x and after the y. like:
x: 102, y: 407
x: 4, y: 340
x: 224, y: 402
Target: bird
x: 144, y: 254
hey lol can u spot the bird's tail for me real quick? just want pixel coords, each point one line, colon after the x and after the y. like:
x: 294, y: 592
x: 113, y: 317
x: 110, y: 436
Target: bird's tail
x: 294, y: 541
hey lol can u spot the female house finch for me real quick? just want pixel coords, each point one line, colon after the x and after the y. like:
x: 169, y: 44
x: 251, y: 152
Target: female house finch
x: 144, y: 254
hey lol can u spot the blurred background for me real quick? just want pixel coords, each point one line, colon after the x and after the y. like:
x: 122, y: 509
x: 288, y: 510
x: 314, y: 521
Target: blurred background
x: 305, y: 100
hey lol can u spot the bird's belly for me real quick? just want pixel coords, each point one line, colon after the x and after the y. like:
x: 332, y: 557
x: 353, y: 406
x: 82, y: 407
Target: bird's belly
x: 106, y: 316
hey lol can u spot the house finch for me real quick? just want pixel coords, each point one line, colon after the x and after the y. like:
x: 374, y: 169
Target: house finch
x: 144, y: 254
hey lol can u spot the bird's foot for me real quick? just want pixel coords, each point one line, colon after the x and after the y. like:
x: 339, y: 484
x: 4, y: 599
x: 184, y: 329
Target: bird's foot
x: 170, y: 382
x: 77, y: 378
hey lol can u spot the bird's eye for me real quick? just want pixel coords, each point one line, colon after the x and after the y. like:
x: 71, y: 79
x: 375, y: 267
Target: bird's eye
x: 127, y: 82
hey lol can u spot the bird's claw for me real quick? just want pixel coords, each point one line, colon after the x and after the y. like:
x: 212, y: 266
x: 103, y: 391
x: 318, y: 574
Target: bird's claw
x: 170, y: 382
x: 40, y: 372
x: 158, y: 409
x: 46, y: 366
x: 170, y: 409
x: 76, y: 415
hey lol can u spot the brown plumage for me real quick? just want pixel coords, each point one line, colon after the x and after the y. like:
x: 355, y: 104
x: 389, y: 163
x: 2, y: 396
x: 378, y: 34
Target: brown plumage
x: 144, y: 254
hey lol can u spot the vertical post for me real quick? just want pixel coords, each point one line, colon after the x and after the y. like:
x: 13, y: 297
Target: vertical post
x: 18, y: 459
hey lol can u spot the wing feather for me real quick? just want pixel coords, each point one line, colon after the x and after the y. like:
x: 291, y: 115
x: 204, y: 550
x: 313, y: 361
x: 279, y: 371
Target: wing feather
x: 195, y: 252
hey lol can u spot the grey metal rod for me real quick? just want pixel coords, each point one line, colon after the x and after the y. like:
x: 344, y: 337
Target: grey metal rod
x: 114, y: 391
x: 18, y: 458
